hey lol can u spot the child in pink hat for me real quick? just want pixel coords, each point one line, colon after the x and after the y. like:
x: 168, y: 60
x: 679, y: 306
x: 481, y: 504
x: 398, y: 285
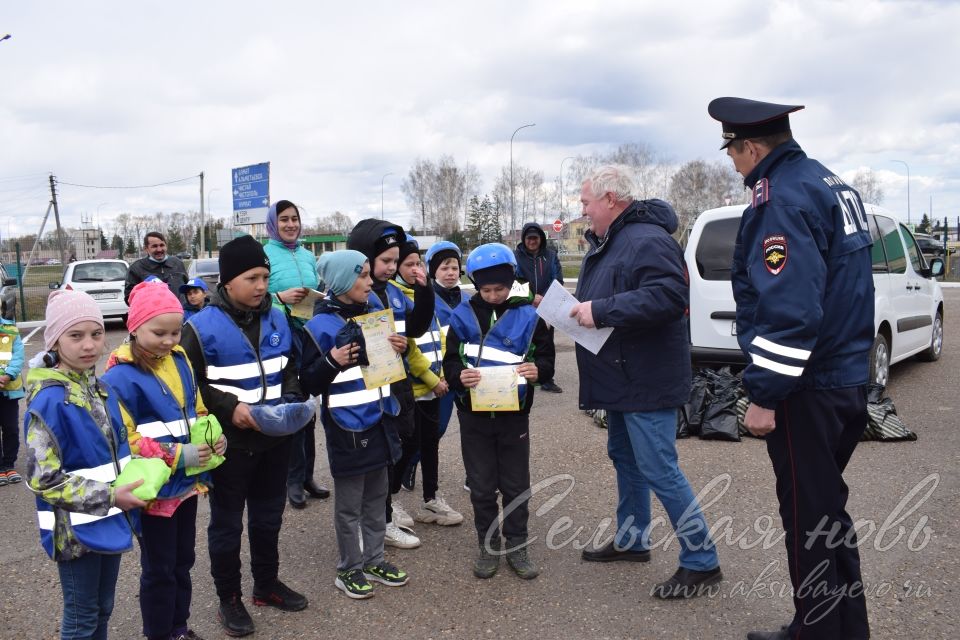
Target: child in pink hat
x: 158, y: 396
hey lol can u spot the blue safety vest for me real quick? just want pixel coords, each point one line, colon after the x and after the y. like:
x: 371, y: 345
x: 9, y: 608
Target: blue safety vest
x: 348, y: 402
x: 431, y: 343
x: 233, y: 365
x: 507, y: 342
x: 400, y: 304
x: 158, y: 415
x: 86, y: 452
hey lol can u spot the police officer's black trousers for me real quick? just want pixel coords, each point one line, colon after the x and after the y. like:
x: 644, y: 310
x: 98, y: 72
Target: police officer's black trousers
x: 496, y: 456
x: 256, y: 480
x: 815, y: 436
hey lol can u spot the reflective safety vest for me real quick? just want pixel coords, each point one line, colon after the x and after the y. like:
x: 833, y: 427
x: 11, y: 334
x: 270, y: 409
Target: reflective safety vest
x: 400, y: 304
x: 348, y: 402
x: 84, y: 451
x: 8, y: 336
x: 232, y: 363
x: 507, y: 342
x: 442, y: 314
x: 158, y: 415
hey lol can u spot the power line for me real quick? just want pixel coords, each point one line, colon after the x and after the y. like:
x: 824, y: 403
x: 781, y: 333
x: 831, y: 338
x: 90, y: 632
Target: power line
x: 142, y: 186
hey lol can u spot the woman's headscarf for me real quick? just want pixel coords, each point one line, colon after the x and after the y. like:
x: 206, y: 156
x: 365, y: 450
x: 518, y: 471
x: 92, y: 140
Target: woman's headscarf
x: 276, y: 209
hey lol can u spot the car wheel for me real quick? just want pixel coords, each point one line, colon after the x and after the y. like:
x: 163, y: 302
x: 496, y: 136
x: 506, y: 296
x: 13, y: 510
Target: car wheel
x: 932, y: 353
x: 880, y: 361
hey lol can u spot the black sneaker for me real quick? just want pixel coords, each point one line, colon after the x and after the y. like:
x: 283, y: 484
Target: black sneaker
x: 354, y: 584
x: 687, y: 583
x: 487, y: 563
x: 551, y: 387
x: 409, y: 480
x: 233, y: 617
x: 189, y: 635
x: 386, y: 573
x: 280, y: 596
x: 522, y: 565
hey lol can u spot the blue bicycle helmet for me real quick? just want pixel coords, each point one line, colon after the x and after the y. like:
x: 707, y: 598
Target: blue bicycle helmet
x: 492, y: 254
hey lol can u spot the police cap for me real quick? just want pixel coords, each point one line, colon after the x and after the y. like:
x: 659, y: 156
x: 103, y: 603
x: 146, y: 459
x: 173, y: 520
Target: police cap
x: 742, y: 118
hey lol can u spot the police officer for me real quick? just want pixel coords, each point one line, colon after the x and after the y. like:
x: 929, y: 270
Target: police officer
x: 803, y: 285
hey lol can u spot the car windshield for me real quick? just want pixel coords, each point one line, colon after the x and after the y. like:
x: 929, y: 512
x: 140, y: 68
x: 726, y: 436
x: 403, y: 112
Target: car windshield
x: 99, y: 272
x: 206, y: 267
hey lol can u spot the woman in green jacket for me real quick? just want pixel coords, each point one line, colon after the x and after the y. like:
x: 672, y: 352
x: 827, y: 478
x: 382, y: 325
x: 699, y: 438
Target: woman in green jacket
x: 293, y: 273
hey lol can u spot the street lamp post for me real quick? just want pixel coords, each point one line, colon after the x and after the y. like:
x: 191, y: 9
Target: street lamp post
x: 561, y: 183
x: 512, y: 212
x: 908, y: 187
x: 381, y: 193
x: 202, y: 226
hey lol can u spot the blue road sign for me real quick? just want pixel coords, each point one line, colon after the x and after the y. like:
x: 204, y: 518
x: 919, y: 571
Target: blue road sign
x: 251, y: 194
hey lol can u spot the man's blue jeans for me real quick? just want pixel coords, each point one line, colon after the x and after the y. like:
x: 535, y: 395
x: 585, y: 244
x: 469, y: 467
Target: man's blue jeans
x: 89, y: 584
x: 642, y: 445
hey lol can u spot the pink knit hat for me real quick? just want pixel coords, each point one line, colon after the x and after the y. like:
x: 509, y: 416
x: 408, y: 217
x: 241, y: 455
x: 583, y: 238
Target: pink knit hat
x: 149, y: 300
x: 66, y: 308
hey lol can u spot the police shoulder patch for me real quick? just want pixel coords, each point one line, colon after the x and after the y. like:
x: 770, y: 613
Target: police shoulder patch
x: 775, y: 253
x: 761, y: 192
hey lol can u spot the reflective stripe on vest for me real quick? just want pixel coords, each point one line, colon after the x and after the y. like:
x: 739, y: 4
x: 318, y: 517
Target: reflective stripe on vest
x: 105, y: 473
x: 234, y: 365
x: 47, y: 519
x: 158, y: 429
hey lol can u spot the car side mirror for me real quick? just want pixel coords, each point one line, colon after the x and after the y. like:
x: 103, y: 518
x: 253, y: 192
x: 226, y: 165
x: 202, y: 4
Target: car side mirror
x: 54, y: 285
x: 9, y: 282
x: 936, y: 267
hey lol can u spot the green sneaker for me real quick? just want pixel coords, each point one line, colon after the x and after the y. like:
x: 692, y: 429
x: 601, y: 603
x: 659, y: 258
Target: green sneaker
x: 487, y: 563
x: 386, y: 573
x: 354, y: 584
x: 521, y: 564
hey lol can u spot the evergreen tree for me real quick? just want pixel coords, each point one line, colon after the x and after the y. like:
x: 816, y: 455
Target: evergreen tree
x: 175, y: 242
x: 924, y: 226
x: 131, y: 250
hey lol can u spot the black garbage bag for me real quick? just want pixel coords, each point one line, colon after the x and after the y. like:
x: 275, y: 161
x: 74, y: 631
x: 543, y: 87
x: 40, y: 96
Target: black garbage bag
x: 690, y: 416
x: 883, y: 423
x: 720, y: 421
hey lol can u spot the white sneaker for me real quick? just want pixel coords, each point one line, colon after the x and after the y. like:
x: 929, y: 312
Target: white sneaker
x: 394, y: 536
x: 437, y: 511
x: 400, y: 516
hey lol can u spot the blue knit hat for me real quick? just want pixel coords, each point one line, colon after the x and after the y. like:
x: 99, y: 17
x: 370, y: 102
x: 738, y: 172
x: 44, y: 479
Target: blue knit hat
x: 339, y: 269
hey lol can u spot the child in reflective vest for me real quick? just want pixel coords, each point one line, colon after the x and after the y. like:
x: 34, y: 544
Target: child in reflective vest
x: 76, y: 446
x: 359, y: 442
x: 498, y: 327
x: 11, y: 390
x: 158, y: 398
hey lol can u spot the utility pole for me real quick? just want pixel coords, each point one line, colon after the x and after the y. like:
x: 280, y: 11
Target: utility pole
x: 56, y: 215
x: 202, y: 245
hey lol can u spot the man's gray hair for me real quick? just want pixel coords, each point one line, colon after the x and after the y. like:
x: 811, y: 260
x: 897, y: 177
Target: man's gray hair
x: 612, y: 178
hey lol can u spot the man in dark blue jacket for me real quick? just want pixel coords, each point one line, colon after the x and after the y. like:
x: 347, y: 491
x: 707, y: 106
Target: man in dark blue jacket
x: 539, y: 265
x: 803, y: 282
x: 633, y: 280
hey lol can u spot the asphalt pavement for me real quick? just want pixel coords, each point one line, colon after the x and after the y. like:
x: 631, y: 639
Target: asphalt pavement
x: 904, y: 495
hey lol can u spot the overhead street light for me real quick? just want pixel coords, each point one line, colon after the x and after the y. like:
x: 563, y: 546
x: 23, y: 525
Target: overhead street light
x: 512, y: 212
x: 6, y: 37
x: 908, y: 187
x: 381, y: 192
x: 561, y: 182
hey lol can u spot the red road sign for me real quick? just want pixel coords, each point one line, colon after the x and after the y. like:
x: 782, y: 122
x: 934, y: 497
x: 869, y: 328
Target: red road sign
x: 558, y: 225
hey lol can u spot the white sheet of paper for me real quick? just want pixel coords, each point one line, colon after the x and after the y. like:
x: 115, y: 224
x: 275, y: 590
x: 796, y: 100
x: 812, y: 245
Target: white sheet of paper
x: 555, y: 309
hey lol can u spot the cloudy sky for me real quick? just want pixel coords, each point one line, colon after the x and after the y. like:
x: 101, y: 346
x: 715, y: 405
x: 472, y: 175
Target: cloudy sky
x: 136, y: 93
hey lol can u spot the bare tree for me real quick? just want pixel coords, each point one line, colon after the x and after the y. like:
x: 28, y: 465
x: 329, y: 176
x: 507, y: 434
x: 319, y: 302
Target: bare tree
x: 866, y: 183
x: 698, y: 186
x: 336, y: 223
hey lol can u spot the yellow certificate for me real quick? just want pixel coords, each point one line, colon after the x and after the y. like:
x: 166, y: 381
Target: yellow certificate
x: 304, y: 308
x: 497, y: 390
x: 386, y: 365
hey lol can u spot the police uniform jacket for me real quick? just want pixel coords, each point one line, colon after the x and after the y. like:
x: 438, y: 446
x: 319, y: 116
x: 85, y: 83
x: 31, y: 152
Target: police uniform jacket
x: 636, y: 280
x: 802, y: 279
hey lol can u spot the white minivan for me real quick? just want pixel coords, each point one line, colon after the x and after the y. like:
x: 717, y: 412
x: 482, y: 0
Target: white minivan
x: 908, y: 317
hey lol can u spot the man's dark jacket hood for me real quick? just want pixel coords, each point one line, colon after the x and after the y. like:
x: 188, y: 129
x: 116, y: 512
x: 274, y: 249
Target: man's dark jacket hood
x: 656, y: 212
x: 523, y: 235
